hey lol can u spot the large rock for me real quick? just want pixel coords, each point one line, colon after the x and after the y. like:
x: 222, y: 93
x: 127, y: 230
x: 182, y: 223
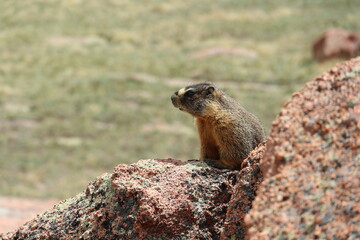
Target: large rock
x: 312, y: 163
x: 244, y: 194
x: 336, y: 43
x: 151, y: 199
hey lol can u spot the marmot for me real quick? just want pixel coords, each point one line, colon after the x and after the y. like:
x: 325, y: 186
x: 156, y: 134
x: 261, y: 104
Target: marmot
x: 226, y: 130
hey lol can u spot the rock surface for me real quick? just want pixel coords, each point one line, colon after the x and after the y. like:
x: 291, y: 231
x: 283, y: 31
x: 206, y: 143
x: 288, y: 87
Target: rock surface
x: 336, y: 43
x: 312, y: 163
x: 151, y: 199
x: 244, y: 194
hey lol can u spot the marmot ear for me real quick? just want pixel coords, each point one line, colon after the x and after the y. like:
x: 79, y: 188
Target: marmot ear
x: 210, y: 90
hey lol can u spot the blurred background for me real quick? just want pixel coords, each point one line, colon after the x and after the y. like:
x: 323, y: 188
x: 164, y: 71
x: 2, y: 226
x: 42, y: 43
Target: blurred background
x: 86, y: 85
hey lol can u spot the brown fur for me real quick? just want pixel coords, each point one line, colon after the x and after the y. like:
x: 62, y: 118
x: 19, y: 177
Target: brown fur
x: 226, y: 130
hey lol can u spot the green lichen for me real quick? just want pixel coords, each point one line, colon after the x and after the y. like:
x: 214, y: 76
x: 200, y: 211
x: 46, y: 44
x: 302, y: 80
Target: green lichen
x: 144, y: 181
x: 357, y: 158
x: 351, y: 103
x: 356, y: 69
x: 153, y: 164
x: 195, y: 165
x: 350, y: 74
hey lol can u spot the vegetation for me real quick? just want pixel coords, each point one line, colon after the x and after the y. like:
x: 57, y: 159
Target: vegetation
x: 86, y: 85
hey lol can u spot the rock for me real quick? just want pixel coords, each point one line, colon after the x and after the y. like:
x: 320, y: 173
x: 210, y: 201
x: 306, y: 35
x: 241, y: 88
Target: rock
x: 312, y: 163
x: 151, y: 199
x: 244, y: 194
x: 336, y: 43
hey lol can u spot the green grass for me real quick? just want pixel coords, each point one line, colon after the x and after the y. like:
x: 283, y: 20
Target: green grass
x: 86, y: 85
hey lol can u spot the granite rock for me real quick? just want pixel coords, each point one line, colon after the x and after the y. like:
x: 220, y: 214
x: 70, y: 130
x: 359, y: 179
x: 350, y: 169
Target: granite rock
x: 311, y: 164
x: 151, y: 199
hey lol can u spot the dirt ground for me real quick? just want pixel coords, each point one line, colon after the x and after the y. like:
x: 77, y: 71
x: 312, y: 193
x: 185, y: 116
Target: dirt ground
x: 16, y: 211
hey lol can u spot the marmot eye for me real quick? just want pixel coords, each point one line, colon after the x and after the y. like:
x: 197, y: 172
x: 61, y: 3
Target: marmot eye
x: 189, y: 93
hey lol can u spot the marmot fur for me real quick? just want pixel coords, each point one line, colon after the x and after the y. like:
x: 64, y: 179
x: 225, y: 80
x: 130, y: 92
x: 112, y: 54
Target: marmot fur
x: 226, y: 130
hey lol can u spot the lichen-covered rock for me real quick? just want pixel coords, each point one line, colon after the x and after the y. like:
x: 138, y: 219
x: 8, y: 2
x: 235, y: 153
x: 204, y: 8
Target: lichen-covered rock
x: 151, y: 199
x: 312, y: 163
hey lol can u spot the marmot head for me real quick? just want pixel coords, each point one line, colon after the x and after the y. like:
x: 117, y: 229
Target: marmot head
x: 196, y: 99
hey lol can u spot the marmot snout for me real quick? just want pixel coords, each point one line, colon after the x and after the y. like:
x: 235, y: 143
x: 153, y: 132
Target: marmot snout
x: 226, y: 130
x: 193, y: 100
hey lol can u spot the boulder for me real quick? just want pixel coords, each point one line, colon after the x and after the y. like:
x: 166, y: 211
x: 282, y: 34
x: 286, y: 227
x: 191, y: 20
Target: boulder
x: 151, y: 199
x: 244, y: 194
x: 336, y: 43
x: 312, y: 163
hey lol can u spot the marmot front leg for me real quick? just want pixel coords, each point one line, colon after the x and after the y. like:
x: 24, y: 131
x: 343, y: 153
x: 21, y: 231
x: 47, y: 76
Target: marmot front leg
x: 208, y: 146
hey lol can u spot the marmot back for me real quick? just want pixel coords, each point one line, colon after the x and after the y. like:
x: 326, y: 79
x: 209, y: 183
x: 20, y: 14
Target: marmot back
x: 227, y: 132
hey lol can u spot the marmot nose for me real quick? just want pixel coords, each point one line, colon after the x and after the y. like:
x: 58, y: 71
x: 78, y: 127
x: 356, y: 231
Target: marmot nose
x: 174, y: 99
